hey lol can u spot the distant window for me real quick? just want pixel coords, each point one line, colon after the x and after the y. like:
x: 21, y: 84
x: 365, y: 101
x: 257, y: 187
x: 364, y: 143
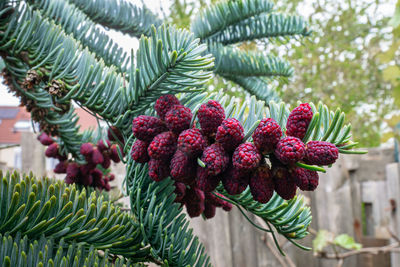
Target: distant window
x: 21, y: 126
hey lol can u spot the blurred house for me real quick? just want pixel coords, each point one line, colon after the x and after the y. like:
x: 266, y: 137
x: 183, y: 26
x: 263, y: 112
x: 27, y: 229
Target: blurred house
x: 15, y: 120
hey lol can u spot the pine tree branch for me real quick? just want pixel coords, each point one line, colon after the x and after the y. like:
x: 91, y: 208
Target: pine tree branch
x: 263, y: 26
x: 231, y: 61
x: 261, y: 88
x: 75, y: 22
x: 119, y: 15
x: 218, y: 17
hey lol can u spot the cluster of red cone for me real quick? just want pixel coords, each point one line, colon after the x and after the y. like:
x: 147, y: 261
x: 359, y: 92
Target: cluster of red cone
x: 98, y: 159
x: 199, y: 159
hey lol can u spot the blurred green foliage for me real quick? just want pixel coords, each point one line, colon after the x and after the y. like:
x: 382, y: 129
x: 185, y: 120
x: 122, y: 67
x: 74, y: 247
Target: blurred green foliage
x: 342, y: 66
x: 350, y: 61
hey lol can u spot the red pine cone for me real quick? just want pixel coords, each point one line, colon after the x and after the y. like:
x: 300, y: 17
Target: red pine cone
x: 290, y: 150
x: 45, y: 140
x: 321, y: 153
x: 267, y: 135
x: 235, y: 181
x: 218, y: 202
x: 194, y: 201
x: 230, y: 134
x: 86, y: 150
x: 246, y: 157
x: 61, y: 167
x: 164, y: 104
x: 163, y: 146
x: 111, y: 177
x: 284, y: 185
x: 146, y: 128
x: 86, y: 180
x: 206, y: 182
x: 139, y: 151
x: 113, y: 134
x: 97, y: 156
x: 114, y: 154
x: 72, y: 170
x: 182, y: 167
x: 298, y: 121
x: 192, y: 142
x: 86, y: 168
x: 102, y: 146
x: 194, y: 195
x: 52, y: 151
x: 306, y: 180
x: 210, y: 116
x: 209, y: 210
x: 261, y: 184
x: 178, y: 118
x: 106, y: 162
x: 215, y: 158
x: 194, y: 210
x: 158, y: 170
x: 180, y: 191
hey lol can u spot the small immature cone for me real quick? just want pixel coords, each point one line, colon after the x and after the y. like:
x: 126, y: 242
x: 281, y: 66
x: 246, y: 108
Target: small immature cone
x: 230, y: 134
x: 192, y: 142
x: 106, y: 162
x: 246, y: 157
x: 321, y: 153
x: 86, y: 180
x: 114, y: 154
x: 158, y: 170
x: 86, y: 150
x: 178, y: 118
x: 194, y: 202
x: 306, y: 180
x: 209, y: 210
x: 235, y: 181
x: 73, y: 170
x: 145, y: 128
x: 52, y: 151
x: 180, y: 191
x: 86, y: 168
x: 290, y: 150
x: 164, y: 104
x: 216, y: 201
x: 97, y: 156
x: 206, y: 182
x: 163, y: 146
x: 111, y: 177
x: 298, y: 121
x: 102, y: 146
x: 45, y: 140
x: 61, y: 167
x: 284, y: 184
x: 267, y: 135
x: 215, y: 158
x: 113, y: 134
x: 139, y: 151
x: 210, y: 115
x: 262, y: 184
x: 183, y: 168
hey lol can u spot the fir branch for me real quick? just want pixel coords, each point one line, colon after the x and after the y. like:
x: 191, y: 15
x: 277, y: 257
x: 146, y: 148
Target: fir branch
x: 218, y: 17
x: 230, y: 61
x: 119, y: 15
x: 263, y: 26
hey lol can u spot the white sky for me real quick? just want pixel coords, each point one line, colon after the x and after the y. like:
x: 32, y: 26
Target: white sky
x: 159, y: 6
